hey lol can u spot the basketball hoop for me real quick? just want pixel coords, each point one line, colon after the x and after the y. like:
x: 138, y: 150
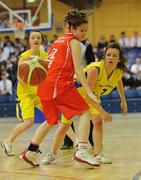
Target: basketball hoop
x: 19, y: 29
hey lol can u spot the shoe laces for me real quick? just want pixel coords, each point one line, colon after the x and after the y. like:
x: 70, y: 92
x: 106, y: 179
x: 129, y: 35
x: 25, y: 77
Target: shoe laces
x: 39, y: 151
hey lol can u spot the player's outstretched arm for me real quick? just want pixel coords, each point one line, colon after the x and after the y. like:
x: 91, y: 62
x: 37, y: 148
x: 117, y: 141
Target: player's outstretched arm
x: 123, y: 104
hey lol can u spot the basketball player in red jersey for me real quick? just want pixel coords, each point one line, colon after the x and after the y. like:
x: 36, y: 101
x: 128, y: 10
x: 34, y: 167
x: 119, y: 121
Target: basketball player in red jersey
x: 58, y: 93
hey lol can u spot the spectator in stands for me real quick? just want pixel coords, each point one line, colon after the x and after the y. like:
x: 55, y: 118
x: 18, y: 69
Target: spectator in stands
x: 3, y: 66
x: 138, y: 88
x: 102, y: 43
x: 7, y: 41
x: 136, y: 68
x: 112, y: 38
x: 18, y: 46
x: 5, y: 84
x: 46, y: 43
x: 3, y: 57
x: 129, y: 80
x: 124, y: 40
x: 11, y: 67
x: 97, y: 55
x: 135, y: 41
x: 1, y: 43
x: 8, y: 48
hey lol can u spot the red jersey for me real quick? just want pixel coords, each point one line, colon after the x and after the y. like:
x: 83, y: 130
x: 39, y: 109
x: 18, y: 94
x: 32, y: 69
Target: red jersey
x: 60, y: 70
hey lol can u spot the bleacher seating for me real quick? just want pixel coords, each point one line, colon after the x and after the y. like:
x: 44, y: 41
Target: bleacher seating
x: 132, y: 54
x: 113, y: 105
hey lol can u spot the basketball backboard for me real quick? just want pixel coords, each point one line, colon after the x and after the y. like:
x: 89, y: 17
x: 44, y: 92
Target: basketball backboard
x: 25, y: 15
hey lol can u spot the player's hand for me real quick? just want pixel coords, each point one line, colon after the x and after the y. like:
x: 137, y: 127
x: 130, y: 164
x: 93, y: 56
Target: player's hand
x: 93, y: 98
x: 107, y: 117
x: 124, y: 107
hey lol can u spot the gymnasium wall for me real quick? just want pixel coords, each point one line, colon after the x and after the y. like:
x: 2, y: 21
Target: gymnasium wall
x: 114, y: 16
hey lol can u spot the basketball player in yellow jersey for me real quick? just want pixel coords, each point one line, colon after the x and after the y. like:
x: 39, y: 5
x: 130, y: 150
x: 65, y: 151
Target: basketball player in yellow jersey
x: 102, y: 78
x: 27, y: 98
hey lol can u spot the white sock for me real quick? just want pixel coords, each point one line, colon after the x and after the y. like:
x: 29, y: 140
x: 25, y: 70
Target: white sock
x: 82, y: 145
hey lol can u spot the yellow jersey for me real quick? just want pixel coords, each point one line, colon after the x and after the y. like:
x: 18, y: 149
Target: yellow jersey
x: 104, y: 84
x: 24, y: 89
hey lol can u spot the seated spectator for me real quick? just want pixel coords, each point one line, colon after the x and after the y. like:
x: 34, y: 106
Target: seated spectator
x: 11, y: 67
x: 124, y: 40
x: 46, y: 43
x: 129, y: 80
x: 3, y: 65
x: 1, y: 43
x: 97, y: 55
x: 8, y: 49
x: 102, y: 43
x: 112, y: 38
x: 3, y: 57
x: 138, y: 83
x: 135, y: 41
x: 7, y: 40
x: 5, y: 84
x: 136, y: 68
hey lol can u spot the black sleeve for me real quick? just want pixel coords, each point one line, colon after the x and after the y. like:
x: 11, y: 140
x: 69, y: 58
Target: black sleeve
x: 89, y: 55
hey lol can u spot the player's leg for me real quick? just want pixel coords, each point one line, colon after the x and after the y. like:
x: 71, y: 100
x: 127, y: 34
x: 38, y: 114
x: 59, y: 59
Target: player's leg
x: 41, y: 132
x: 72, y: 104
x: 98, y: 140
x: 82, y: 155
x: 97, y: 133
x: 57, y: 141
x: 43, y: 129
x: 26, y: 110
x: 73, y: 136
x: 31, y: 153
x: 91, y: 134
x: 69, y: 139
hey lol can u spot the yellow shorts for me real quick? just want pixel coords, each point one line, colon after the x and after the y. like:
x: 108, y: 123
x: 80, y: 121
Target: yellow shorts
x: 92, y: 108
x: 25, y: 107
x: 66, y: 121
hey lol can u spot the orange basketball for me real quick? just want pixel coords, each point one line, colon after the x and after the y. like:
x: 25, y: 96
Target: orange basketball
x: 32, y: 71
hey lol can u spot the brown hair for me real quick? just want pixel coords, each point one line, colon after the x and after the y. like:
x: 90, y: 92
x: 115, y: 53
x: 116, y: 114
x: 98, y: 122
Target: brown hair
x: 42, y: 36
x: 75, y: 18
x: 123, y: 59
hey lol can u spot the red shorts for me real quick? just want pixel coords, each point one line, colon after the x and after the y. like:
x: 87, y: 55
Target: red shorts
x: 69, y: 103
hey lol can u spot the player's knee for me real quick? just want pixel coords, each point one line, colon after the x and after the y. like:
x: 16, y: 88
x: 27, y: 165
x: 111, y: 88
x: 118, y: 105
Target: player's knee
x: 64, y: 127
x: 28, y: 123
x: 98, y: 121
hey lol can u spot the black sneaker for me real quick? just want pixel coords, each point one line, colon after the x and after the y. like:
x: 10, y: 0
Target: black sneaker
x: 66, y: 147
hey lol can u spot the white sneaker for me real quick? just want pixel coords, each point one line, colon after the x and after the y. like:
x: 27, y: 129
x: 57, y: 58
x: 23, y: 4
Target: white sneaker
x: 7, y: 147
x: 48, y: 158
x: 30, y: 157
x: 83, y: 156
x: 102, y: 158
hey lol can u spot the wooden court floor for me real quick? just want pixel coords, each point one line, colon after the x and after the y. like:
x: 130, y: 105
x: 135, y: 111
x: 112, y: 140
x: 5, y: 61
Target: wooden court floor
x: 122, y: 142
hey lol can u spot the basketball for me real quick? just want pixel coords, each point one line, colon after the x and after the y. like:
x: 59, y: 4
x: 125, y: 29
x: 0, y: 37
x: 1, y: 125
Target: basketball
x: 32, y: 71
